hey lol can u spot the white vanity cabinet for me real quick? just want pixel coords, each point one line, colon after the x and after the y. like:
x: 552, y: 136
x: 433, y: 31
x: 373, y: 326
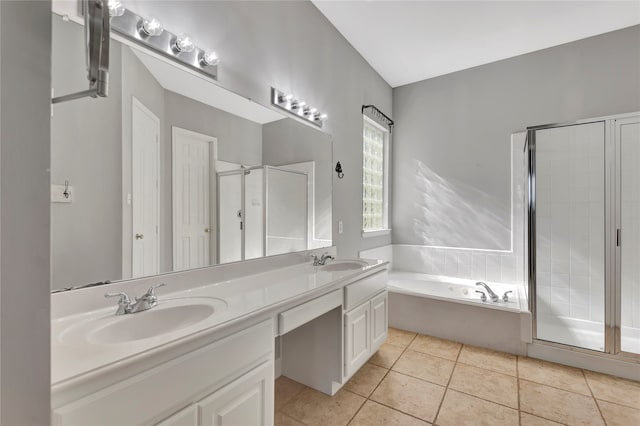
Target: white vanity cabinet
x: 365, y: 320
x: 225, y: 382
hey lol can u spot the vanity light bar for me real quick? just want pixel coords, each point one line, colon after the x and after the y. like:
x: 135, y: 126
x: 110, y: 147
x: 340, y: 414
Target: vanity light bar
x: 297, y: 107
x: 149, y: 32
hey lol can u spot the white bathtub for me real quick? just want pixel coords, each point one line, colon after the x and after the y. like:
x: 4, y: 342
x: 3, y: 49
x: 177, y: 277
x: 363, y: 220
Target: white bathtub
x: 456, y: 290
x: 451, y: 309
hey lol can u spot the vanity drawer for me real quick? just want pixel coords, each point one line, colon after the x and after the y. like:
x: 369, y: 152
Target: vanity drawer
x: 361, y: 290
x: 302, y: 314
x: 149, y: 397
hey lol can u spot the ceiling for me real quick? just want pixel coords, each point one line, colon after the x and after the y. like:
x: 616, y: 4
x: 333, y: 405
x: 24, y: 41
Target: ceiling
x: 408, y: 41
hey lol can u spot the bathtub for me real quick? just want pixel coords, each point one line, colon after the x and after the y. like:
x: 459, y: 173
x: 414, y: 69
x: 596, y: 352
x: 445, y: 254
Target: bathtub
x: 451, y: 309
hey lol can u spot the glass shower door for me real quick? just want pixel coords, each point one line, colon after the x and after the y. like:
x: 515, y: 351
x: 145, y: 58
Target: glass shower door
x: 628, y: 147
x: 570, y: 234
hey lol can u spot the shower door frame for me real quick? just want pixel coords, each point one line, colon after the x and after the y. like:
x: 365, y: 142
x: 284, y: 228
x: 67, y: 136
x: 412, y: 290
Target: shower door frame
x: 612, y: 314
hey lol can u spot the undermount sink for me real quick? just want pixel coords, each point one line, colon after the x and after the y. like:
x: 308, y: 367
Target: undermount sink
x: 168, y: 316
x: 344, y: 265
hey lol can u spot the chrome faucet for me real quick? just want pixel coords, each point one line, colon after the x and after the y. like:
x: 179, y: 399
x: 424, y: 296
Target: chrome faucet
x: 142, y: 303
x: 322, y: 259
x: 494, y: 297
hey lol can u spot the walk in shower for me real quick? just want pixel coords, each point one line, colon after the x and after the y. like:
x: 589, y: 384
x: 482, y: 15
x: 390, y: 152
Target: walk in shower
x: 262, y: 211
x: 584, y: 234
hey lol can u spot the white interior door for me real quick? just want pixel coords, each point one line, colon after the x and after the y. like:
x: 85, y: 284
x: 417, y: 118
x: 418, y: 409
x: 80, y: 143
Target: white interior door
x: 145, y: 139
x: 192, y: 230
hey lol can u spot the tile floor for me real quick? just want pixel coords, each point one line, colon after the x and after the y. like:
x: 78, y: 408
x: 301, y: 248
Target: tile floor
x: 420, y: 380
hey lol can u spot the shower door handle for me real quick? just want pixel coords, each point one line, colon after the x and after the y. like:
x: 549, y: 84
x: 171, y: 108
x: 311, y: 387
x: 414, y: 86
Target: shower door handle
x: 618, y: 238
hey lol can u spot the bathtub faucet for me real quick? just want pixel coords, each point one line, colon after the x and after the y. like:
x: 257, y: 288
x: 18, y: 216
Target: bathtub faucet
x: 494, y: 297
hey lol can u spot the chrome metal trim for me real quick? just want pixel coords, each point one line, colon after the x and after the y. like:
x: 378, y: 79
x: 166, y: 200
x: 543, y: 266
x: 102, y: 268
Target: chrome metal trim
x: 531, y: 231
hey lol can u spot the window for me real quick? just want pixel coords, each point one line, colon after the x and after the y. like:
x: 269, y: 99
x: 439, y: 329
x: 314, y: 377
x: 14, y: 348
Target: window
x: 375, y: 168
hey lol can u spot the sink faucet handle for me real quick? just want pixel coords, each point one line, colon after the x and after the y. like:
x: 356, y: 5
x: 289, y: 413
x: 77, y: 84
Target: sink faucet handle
x: 152, y: 290
x: 124, y: 304
x: 123, y: 296
x: 505, y: 296
x: 483, y: 296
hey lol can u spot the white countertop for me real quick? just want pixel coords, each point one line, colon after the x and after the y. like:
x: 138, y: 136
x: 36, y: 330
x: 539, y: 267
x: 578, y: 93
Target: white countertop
x: 245, y: 297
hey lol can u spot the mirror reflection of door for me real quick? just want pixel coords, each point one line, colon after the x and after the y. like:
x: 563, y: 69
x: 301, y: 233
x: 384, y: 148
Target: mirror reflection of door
x: 145, y: 200
x: 193, y: 157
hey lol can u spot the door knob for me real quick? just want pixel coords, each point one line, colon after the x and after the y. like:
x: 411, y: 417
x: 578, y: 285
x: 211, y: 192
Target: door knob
x: 139, y: 236
x: 206, y: 229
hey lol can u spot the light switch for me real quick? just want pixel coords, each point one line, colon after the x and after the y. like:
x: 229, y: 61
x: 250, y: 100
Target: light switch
x: 339, y: 227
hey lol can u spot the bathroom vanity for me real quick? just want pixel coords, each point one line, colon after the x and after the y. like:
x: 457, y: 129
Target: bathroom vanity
x: 205, y: 355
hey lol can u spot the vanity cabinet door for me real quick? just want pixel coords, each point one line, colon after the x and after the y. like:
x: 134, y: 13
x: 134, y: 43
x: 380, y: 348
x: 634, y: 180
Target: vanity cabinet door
x: 247, y: 400
x: 379, y: 318
x: 186, y: 417
x: 357, y: 337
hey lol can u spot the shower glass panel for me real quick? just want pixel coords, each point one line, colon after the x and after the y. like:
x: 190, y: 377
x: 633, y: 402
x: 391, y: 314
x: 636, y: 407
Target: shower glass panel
x: 628, y: 141
x: 230, y: 217
x: 286, y: 211
x: 570, y: 235
x: 254, y: 214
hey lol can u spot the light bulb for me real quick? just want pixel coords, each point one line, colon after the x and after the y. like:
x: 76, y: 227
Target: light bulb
x: 184, y: 43
x: 301, y: 104
x: 151, y: 26
x: 115, y: 8
x: 323, y: 117
x: 312, y: 110
x: 210, y: 58
x: 288, y: 97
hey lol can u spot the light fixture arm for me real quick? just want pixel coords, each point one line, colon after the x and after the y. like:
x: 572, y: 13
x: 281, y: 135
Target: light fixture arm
x: 97, y: 36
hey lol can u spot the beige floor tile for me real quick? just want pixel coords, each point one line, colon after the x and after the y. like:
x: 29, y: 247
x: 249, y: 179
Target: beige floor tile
x: 427, y: 367
x: 614, y: 389
x: 501, y: 362
x: 284, y: 420
x: 558, y: 405
x: 460, y: 409
x: 409, y: 395
x: 619, y: 415
x: 386, y: 355
x: 485, y: 384
x: 531, y: 420
x: 551, y: 374
x: 366, y: 379
x: 395, y: 336
x: 285, y: 389
x: 435, y: 346
x: 374, y: 414
x: 315, y: 408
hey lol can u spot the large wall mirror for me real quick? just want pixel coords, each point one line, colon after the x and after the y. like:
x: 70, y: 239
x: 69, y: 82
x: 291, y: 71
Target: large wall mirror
x: 172, y: 172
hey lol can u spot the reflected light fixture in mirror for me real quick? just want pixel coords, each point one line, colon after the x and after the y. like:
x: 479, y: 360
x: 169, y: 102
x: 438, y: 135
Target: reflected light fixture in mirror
x: 287, y: 102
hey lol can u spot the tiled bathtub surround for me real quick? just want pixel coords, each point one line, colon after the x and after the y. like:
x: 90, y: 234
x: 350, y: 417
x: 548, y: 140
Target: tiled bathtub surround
x: 421, y: 380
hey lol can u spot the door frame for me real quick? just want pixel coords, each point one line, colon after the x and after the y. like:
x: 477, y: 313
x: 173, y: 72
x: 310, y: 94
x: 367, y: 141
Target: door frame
x: 213, y: 189
x: 137, y: 104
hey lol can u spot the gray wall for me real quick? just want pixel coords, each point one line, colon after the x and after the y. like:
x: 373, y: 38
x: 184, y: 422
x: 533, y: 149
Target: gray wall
x: 86, y: 240
x: 289, y: 141
x: 25, y: 85
x: 452, y: 134
x: 291, y: 46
